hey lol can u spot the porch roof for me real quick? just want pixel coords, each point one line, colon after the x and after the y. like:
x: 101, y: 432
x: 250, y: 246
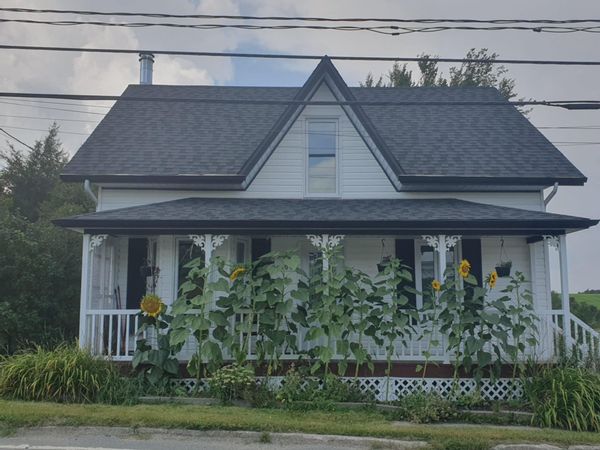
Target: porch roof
x: 285, y: 216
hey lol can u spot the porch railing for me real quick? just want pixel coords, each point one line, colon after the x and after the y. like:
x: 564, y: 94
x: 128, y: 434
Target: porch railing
x: 112, y: 333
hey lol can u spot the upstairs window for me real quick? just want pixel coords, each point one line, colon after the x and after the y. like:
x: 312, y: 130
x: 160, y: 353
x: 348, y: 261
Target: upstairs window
x: 322, y: 153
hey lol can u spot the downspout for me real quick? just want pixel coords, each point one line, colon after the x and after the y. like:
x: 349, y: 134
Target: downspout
x: 551, y: 194
x: 87, y: 187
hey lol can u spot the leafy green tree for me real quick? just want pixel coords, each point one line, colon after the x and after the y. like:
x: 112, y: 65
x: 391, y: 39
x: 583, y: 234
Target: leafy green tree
x: 40, y: 264
x: 469, y: 73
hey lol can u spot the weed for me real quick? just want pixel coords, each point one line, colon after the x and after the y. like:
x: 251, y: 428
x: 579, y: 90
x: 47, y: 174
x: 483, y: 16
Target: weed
x: 265, y: 438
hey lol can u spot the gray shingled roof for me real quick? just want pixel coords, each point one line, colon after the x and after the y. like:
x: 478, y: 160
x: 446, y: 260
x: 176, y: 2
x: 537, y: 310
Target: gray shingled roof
x: 270, y: 214
x: 151, y: 138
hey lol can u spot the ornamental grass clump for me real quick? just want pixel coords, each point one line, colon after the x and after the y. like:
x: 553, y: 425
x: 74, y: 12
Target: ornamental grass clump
x: 65, y: 374
x: 565, y: 397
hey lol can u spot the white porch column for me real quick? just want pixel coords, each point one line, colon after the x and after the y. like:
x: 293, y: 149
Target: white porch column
x: 84, y: 296
x: 442, y: 257
x: 208, y: 243
x: 564, y: 286
x: 441, y: 244
x: 325, y: 242
x: 560, y: 243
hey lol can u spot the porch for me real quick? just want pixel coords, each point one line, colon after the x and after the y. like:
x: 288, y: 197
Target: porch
x: 121, y: 269
x: 131, y: 251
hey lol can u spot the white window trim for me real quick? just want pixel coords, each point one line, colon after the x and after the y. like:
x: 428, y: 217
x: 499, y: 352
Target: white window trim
x: 336, y: 120
x: 247, y: 241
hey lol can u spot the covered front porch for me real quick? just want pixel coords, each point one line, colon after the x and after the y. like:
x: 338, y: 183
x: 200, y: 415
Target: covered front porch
x: 132, y: 251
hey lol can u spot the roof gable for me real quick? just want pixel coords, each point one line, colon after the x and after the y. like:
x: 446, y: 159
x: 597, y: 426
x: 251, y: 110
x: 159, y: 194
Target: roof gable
x: 327, y: 75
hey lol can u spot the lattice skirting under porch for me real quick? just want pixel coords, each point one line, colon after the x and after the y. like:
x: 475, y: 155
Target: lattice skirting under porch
x: 502, y: 389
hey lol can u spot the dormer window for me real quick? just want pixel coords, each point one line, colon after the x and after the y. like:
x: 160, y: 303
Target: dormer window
x: 322, y: 146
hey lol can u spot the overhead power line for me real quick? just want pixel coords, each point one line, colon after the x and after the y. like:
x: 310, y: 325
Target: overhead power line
x: 16, y: 139
x: 64, y: 103
x: 390, y: 30
x: 306, y: 57
x: 295, y: 18
x: 59, y: 119
x: 79, y: 111
x: 38, y: 129
x: 568, y: 104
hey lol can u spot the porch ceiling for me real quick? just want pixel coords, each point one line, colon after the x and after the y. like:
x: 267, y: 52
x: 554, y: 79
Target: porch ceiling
x: 286, y: 216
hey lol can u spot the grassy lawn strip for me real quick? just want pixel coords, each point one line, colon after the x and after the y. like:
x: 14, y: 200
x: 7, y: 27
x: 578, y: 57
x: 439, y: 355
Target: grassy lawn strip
x: 357, y: 423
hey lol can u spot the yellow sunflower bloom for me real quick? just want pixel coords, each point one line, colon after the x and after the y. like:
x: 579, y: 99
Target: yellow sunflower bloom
x: 464, y: 268
x: 236, y: 273
x: 436, y: 285
x: 492, y: 279
x: 152, y: 305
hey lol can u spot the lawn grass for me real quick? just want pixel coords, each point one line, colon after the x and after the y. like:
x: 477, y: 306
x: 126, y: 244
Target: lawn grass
x: 15, y: 414
x: 590, y: 299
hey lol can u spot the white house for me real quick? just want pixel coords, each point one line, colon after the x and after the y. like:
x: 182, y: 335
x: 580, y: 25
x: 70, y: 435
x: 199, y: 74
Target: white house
x: 429, y: 174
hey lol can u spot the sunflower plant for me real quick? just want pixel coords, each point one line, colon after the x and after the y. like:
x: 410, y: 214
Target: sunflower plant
x: 194, y: 315
x: 153, y: 357
x: 259, y: 305
x: 520, y: 310
x: 396, y: 319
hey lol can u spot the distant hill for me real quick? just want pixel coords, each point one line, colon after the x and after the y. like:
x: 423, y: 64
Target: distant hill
x: 587, y: 298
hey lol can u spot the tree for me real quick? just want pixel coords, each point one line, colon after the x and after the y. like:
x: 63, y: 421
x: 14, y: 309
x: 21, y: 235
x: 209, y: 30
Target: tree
x: 467, y: 74
x: 398, y: 76
x: 40, y: 264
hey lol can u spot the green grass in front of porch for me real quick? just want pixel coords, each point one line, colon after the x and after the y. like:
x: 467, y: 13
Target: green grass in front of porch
x: 15, y: 414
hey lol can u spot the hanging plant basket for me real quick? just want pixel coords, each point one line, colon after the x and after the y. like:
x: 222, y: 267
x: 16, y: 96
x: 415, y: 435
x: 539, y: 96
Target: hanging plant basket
x: 384, y: 262
x: 503, y: 269
x: 504, y: 266
x: 148, y: 271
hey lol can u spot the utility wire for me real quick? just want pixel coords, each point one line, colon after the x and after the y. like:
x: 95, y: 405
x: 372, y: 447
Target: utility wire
x: 63, y: 119
x: 38, y: 129
x: 16, y: 139
x: 64, y: 103
x: 295, y: 18
x: 55, y: 109
x: 304, y: 57
x: 390, y: 30
x: 567, y: 104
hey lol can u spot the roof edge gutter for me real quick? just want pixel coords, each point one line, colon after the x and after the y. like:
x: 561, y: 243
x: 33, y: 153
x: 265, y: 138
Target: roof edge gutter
x: 522, y: 181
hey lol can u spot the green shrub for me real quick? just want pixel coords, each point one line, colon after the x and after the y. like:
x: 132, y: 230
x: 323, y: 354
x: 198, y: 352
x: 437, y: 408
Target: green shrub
x: 471, y: 401
x: 425, y: 407
x: 260, y: 395
x: 565, y: 397
x: 64, y: 374
x: 322, y: 394
x: 337, y: 390
x: 230, y: 382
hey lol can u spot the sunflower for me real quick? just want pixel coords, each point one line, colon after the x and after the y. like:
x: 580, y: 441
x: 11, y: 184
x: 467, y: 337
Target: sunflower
x: 464, y: 268
x: 492, y: 279
x: 436, y: 285
x: 152, y: 305
x: 236, y: 273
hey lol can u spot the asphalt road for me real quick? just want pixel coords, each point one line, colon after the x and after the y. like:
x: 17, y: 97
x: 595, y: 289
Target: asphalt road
x: 67, y: 438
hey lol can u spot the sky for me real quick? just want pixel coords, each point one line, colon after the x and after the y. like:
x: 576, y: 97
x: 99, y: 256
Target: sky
x: 76, y: 73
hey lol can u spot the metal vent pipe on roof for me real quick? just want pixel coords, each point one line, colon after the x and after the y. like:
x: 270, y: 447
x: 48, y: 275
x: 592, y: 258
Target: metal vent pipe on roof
x: 146, y: 63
